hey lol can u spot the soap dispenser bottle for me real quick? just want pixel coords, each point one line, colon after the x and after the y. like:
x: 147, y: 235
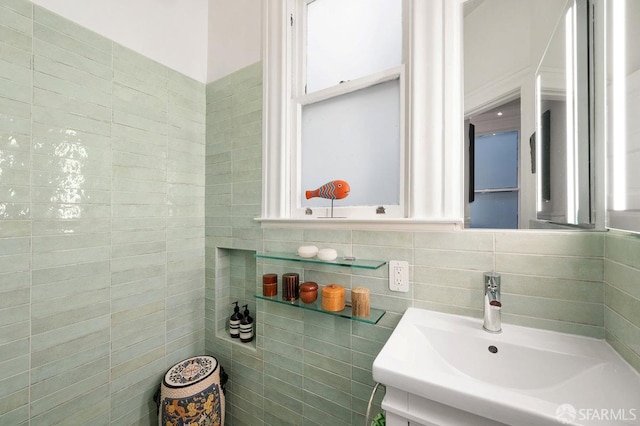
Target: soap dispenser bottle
x: 246, y: 326
x: 234, y: 322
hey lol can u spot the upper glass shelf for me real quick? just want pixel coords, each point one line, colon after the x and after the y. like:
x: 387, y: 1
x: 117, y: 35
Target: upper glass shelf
x: 340, y: 261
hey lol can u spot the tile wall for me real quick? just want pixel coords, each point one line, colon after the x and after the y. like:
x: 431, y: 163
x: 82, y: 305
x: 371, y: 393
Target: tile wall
x: 308, y: 368
x: 103, y: 199
x: 101, y: 223
x: 622, y: 294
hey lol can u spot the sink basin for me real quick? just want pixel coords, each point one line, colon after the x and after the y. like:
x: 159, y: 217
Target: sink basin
x: 520, y: 376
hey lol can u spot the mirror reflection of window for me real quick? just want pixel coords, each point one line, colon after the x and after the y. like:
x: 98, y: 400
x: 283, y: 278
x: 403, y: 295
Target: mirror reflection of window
x: 496, y: 181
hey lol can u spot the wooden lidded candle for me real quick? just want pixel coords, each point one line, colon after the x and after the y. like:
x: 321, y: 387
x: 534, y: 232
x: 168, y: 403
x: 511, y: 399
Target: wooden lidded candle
x: 333, y: 298
x: 360, y: 302
x: 290, y: 286
x: 269, y: 285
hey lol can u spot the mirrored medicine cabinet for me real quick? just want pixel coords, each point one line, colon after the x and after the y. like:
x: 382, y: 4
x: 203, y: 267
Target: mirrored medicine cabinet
x: 529, y: 114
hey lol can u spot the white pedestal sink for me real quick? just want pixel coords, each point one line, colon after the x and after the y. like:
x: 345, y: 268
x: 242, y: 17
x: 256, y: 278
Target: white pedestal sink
x: 442, y: 369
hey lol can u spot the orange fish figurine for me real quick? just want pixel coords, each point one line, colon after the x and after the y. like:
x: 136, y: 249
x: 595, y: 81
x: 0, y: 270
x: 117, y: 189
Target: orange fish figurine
x: 334, y: 190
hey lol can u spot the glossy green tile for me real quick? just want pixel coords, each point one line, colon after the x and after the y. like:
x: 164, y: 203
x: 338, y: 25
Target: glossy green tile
x: 44, y: 388
x: 69, y: 73
x: 468, y: 298
x: 42, y: 322
x: 15, y: 108
x: 139, y: 67
x: 325, y: 412
x: 276, y: 414
x: 71, y: 31
x: 15, y: 97
x: 624, y: 331
x: 623, y: 248
x: 65, y: 272
x: 15, y: 263
x: 586, y: 244
x: 14, y: 384
x: 630, y: 356
x: 83, y: 107
x: 63, y: 353
x: 622, y: 303
x: 553, y: 325
x: 22, y: 7
x: 467, y: 240
x: 81, y: 255
x: 69, y: 333
x: 12, y: 305
x: 322, y: 362
x: 552, y: 309
x: 84, y: 407
x: 480, y: 261
x: 622, y: 277
x: 14, y: 408
x: 15, y: 37
x: 587, y: 269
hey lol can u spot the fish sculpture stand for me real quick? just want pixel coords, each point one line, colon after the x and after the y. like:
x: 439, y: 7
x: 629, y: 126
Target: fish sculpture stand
x: 334, y: 190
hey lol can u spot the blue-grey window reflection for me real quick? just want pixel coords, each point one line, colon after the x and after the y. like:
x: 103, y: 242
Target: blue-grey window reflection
x: 496, y: 181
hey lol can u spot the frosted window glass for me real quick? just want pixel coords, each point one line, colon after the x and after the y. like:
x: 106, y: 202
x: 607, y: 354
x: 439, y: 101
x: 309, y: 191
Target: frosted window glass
x: 349, y: 39
x: 496, y: 163
x: 495, y: 210
x: 354, y: 137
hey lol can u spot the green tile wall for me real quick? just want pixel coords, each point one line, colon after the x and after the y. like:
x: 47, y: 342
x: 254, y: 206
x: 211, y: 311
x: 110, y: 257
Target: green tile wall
x: 622, y: 294
x: 115, y: 208
x: 311, y: 369
x: 101, y: 223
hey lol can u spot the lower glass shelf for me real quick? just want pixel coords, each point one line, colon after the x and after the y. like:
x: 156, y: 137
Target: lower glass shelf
x: 373, y: 318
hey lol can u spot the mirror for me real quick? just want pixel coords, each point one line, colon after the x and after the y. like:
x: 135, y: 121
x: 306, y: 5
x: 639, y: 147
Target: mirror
x: 509, y: 47
x: 622, y: 86
x: 562, y: 122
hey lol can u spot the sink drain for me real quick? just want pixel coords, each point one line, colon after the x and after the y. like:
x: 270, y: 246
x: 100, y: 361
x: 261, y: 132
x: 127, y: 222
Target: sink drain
x: 493, y: 349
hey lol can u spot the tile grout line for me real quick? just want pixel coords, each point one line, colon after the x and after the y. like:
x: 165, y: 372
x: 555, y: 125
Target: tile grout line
x: 111, y: 246
x: 31, y: 217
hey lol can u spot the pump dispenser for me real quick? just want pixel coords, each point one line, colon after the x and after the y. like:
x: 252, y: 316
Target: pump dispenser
x: 246, y: 326
x: 234, y: 322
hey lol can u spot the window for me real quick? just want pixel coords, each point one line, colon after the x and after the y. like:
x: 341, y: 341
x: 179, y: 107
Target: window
x: 354, y: 90
x: 347, y: 105
x: 496, y: 181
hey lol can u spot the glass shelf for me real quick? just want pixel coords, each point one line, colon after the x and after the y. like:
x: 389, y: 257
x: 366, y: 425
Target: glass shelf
x: 373, y: 318
x: 340, y: 261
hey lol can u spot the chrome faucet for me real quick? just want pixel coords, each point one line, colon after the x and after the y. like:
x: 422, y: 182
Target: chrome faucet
x: 492, y: 303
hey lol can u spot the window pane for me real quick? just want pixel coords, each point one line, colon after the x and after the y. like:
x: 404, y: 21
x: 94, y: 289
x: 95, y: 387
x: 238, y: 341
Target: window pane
x: 349, y: 39
x: 496, y: 163
x: 354, y: 137
x: 495, y: 210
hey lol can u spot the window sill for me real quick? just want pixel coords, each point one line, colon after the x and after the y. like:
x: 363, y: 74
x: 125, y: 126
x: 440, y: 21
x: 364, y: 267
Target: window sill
x: 364, y: 224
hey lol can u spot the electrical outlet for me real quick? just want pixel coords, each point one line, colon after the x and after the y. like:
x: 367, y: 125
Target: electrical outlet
x: 399, y: 275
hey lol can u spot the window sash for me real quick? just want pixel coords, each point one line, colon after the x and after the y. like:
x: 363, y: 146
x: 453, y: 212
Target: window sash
x: 355, y: 212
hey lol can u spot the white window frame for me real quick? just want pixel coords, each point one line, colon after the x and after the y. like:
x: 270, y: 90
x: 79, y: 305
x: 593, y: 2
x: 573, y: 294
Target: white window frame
x: 431, y: 140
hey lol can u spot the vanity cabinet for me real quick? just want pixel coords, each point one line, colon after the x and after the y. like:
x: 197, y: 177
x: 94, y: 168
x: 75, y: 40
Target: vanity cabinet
x: 403, y: 408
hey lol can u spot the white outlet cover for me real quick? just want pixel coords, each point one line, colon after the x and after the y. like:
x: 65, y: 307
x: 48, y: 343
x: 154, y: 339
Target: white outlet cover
x: 399, y: 276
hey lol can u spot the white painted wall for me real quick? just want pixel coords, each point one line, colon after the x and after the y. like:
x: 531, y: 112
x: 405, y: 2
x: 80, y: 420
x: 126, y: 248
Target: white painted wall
x: 235, y: 36
x: 171, y: 32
